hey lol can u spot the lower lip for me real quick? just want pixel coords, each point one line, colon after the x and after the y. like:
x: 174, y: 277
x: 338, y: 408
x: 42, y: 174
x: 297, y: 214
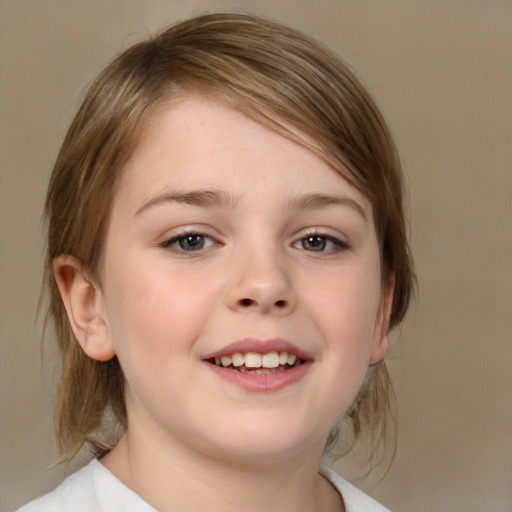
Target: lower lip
x: 262, y: 383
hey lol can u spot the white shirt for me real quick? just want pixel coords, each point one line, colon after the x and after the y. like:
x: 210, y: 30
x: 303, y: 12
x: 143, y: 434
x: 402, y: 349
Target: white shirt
x: 95, y: 489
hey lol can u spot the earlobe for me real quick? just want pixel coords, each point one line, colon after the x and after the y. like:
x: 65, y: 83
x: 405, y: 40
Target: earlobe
x: 82, y: 299
x: 380, y: 349
x: 381, y: 340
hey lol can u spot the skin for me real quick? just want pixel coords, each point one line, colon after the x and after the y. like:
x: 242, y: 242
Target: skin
x: 269, y: 265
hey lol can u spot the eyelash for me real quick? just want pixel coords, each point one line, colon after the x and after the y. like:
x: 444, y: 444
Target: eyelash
x: 337, y: 244
x: 177, y: 240
x: 176, y: 243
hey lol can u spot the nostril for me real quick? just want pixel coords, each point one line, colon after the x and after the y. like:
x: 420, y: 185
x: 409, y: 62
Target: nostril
x: 246, y: 303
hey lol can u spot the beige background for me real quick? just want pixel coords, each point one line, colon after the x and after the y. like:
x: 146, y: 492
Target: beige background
x: 442, y: 72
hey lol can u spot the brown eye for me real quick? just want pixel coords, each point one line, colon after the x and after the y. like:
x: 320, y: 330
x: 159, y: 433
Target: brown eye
x: 314, y: 243
x: 189, y: 242
x: 321, y: 243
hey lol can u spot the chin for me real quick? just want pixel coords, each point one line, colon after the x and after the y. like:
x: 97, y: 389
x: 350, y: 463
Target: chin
x: 267, y: 445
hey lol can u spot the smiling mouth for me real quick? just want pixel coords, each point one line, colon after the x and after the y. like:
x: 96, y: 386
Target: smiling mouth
x: 257, y: 364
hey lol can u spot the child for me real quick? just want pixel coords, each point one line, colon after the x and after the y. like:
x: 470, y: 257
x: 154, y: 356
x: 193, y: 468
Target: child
x: 226, y: 256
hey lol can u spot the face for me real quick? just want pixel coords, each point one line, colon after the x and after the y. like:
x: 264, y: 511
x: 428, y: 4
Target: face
x: 241, y: 287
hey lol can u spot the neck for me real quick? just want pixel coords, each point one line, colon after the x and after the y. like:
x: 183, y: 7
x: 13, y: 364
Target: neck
x: 174, y: 478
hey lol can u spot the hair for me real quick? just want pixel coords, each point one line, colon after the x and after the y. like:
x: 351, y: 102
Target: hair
x: 275, y: 75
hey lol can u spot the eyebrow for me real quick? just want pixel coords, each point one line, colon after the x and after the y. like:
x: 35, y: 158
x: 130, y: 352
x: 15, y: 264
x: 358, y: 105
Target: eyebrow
x: 315, y: 201
x: 201, y: 198
x: 222, y: 199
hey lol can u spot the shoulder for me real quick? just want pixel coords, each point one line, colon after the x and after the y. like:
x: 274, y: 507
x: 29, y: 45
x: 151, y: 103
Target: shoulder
x: 75, y: 493
x: 355, y: 500
x: 92, y: 489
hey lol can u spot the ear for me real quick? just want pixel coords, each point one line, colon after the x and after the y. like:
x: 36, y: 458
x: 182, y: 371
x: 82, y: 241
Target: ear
x: 84, y: 304
x: 380, y: 338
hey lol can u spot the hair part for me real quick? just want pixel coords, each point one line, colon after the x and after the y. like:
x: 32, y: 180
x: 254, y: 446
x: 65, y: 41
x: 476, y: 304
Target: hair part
x: 278, y: 77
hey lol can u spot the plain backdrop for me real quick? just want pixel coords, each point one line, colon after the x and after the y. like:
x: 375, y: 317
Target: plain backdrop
x: 442, y: 73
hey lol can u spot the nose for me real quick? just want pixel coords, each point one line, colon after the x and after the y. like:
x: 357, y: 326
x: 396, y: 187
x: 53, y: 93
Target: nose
x: 260, y: 282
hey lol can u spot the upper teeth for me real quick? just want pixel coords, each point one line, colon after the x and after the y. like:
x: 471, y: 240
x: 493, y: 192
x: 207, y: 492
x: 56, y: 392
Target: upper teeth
x: 255, y: 360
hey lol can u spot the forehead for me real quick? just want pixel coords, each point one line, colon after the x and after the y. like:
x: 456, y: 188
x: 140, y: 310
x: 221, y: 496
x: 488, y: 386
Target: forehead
x: 201, y: 141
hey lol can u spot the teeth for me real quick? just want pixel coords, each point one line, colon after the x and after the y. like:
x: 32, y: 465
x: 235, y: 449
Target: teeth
x: 254, y: 360
x: 270, y: 360
x: 238, y: 359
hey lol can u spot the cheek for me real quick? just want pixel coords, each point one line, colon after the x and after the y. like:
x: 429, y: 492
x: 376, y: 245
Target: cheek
x: 346, y: 317
x: 153, y: 332
x: 348, y: 305
x: 347, y: 322
x: 152, y: 312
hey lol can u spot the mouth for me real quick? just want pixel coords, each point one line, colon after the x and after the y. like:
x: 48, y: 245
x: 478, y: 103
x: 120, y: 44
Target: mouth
x: 260, y: 366
x: 256, y: 363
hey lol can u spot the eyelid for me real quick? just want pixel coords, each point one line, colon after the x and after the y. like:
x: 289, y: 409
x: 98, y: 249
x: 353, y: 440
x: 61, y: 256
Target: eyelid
x: 187, y: 229
x: 169, y: 241
x: 340, y: 243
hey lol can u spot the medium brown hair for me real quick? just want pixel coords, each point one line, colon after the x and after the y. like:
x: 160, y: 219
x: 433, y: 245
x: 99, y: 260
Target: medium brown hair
x: 277, y: 76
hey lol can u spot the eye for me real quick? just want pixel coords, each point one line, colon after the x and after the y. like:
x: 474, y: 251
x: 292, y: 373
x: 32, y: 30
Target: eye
x: 321, y: 243
x: 189, y: 242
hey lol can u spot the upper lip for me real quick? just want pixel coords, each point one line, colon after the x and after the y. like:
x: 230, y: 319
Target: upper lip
x: 260, y: 346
